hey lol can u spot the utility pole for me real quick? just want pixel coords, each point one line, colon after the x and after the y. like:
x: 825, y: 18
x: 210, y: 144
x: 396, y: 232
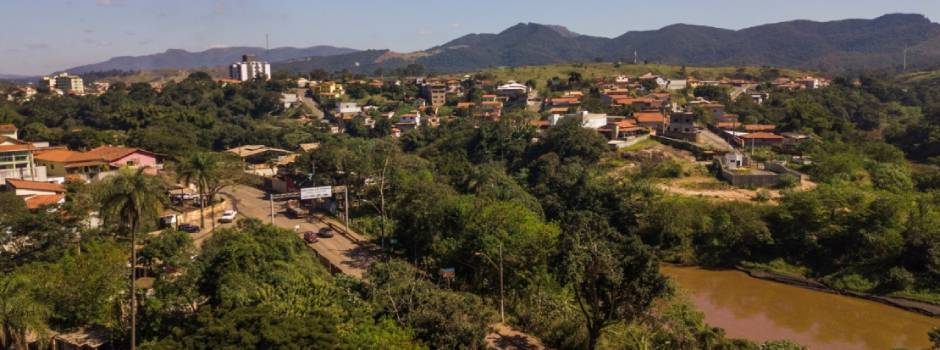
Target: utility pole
x: 346, y: 199
x: 502, y: 310
x: 271, y: 199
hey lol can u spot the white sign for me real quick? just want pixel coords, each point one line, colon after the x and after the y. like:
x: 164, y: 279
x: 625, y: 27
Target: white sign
x: 316, y: 192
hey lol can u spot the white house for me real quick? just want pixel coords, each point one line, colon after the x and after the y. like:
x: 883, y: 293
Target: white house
x: 512, y: 88
x: 289, y: 100
x: 593, y: 120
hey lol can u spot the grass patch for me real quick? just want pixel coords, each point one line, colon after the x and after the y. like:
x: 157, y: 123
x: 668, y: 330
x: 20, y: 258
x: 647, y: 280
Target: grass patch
x: 777, y: 266
x: 640, y: 145
x: 930, y: 296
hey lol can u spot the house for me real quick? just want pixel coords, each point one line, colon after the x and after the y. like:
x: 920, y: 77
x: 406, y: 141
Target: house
x: 17, y: 158
x: 759, y: 97
x: 619, y: 128
x: 677, y: 84
x: 329, y: 89
x: 95, y: 163
x: 8, y: 130
x: 262, y: 160
x: 653, y: 120
x: 409, y: 121
x: 761, y: 139
x: 435, y: 94
x: 37, y: 194
x: 683, y: 126
x: 289, y: 100
x: 593, y: 120
x: 717, y: 110
x: 758, y: 127
x: 347, y: 110
x: 649, y: 76
x: 512, y: 89
x: 489, y: 110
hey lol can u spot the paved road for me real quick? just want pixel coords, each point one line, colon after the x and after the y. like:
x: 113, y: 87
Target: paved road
x: 350, y: 255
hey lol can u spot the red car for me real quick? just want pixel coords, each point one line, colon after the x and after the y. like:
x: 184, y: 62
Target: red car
x: 310, y: 237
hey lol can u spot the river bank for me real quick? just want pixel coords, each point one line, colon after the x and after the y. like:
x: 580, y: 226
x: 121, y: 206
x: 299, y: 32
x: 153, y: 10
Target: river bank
x: 917, y: 306
x: 762, y: 309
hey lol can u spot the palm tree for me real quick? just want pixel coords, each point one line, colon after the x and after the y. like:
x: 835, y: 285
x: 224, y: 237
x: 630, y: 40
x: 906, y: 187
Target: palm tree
x: 200, y: 169
x: 129, y: 201
x: 20, y: 313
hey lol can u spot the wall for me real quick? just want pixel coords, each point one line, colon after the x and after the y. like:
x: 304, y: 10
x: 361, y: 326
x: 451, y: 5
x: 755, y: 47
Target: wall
x: 139, y: 159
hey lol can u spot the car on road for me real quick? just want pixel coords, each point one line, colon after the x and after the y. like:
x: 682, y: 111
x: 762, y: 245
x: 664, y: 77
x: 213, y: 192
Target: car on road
x: 189, y: 228
x: 326, y: 232
x: 228, y: 216
x: 310, y: 237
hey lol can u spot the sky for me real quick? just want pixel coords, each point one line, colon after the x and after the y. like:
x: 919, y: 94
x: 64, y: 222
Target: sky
x: 41, y: 36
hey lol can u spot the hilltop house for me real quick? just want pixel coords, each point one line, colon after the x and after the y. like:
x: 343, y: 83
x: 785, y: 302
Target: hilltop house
x: 16, y: 157
x: 36, y: 193
x: 96, y: 163
x: 683, y: 126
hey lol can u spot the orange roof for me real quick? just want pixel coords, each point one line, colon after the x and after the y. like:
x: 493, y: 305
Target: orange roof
x: 464, y: 105
x: 558, y: 110
x: 539, y: 123
x: 35, y: 185
x: 7, y: 128
x: 56, y: 155
x: 726, y: 125
x: 103, y: 153
x: 630, y: 100
x: 623, y: 123
x: 649, y: 117
x: 36, y: 202
x: 491, y: 103
x: 16, y: 147
x: 564, y: 100
x: 759, y: 127
x: 762, y: 136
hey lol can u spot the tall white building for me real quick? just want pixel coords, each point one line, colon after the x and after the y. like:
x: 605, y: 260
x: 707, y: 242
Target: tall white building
x: 249, y: 69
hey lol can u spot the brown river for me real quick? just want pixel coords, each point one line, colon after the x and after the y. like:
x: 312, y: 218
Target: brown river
x: 762, y: 310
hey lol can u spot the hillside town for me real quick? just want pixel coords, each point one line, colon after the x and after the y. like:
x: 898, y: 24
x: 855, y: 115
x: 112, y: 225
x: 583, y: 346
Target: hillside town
x: 689, y: 187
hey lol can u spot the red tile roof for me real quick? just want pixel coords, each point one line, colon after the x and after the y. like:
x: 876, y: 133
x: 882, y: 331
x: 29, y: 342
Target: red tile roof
x: 759, y: 127
x: 7, y: 128
x: 36, y: 202
x: 35, y: 185
x: 762, y: 136
x: 649, y: 117
x: 103, y: 153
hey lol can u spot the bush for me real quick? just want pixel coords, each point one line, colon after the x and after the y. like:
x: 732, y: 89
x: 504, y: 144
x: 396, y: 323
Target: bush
x: 898, y: 278
x: 788, y: 181
x: 762, y: 196
x: 851, y: 281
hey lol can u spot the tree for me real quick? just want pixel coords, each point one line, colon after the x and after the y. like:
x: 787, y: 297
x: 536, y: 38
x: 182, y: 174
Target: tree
x: 131, y: 201
x: 935, y: 338
x: 200, y: 169
x: 615, y: 277
x: 20, y: 312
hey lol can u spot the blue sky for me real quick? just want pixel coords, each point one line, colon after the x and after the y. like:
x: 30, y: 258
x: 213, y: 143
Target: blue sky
x: 39, y: 36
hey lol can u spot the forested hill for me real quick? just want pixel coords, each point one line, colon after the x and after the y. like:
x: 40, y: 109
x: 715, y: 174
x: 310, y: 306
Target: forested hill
x: 182, y: 59
x: 851, y: 44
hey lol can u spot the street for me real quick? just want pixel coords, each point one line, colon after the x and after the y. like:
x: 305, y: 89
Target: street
x: 343, y: 253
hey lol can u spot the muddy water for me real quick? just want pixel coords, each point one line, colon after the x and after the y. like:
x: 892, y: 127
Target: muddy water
x: 761, y: 310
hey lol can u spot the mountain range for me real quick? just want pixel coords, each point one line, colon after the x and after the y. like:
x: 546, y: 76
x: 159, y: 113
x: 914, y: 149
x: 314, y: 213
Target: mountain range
x: 851, y: 44
x: 182, y: 59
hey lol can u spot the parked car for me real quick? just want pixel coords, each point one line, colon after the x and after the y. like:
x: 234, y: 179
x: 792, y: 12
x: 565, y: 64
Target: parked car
x: 310, y: 237
x: 228, y: 216
x: 189, y: 228
x: 326, y: 232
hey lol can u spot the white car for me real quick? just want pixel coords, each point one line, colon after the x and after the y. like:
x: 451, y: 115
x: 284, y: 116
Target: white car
x: 228, y: 216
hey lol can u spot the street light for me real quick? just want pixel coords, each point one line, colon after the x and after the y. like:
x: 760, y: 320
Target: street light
x: 502, y: 314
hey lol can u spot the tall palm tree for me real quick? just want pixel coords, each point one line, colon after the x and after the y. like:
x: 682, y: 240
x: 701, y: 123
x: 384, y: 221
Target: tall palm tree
x: 129, y: 201
x: 20, y: 313
x: 200, y: 169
